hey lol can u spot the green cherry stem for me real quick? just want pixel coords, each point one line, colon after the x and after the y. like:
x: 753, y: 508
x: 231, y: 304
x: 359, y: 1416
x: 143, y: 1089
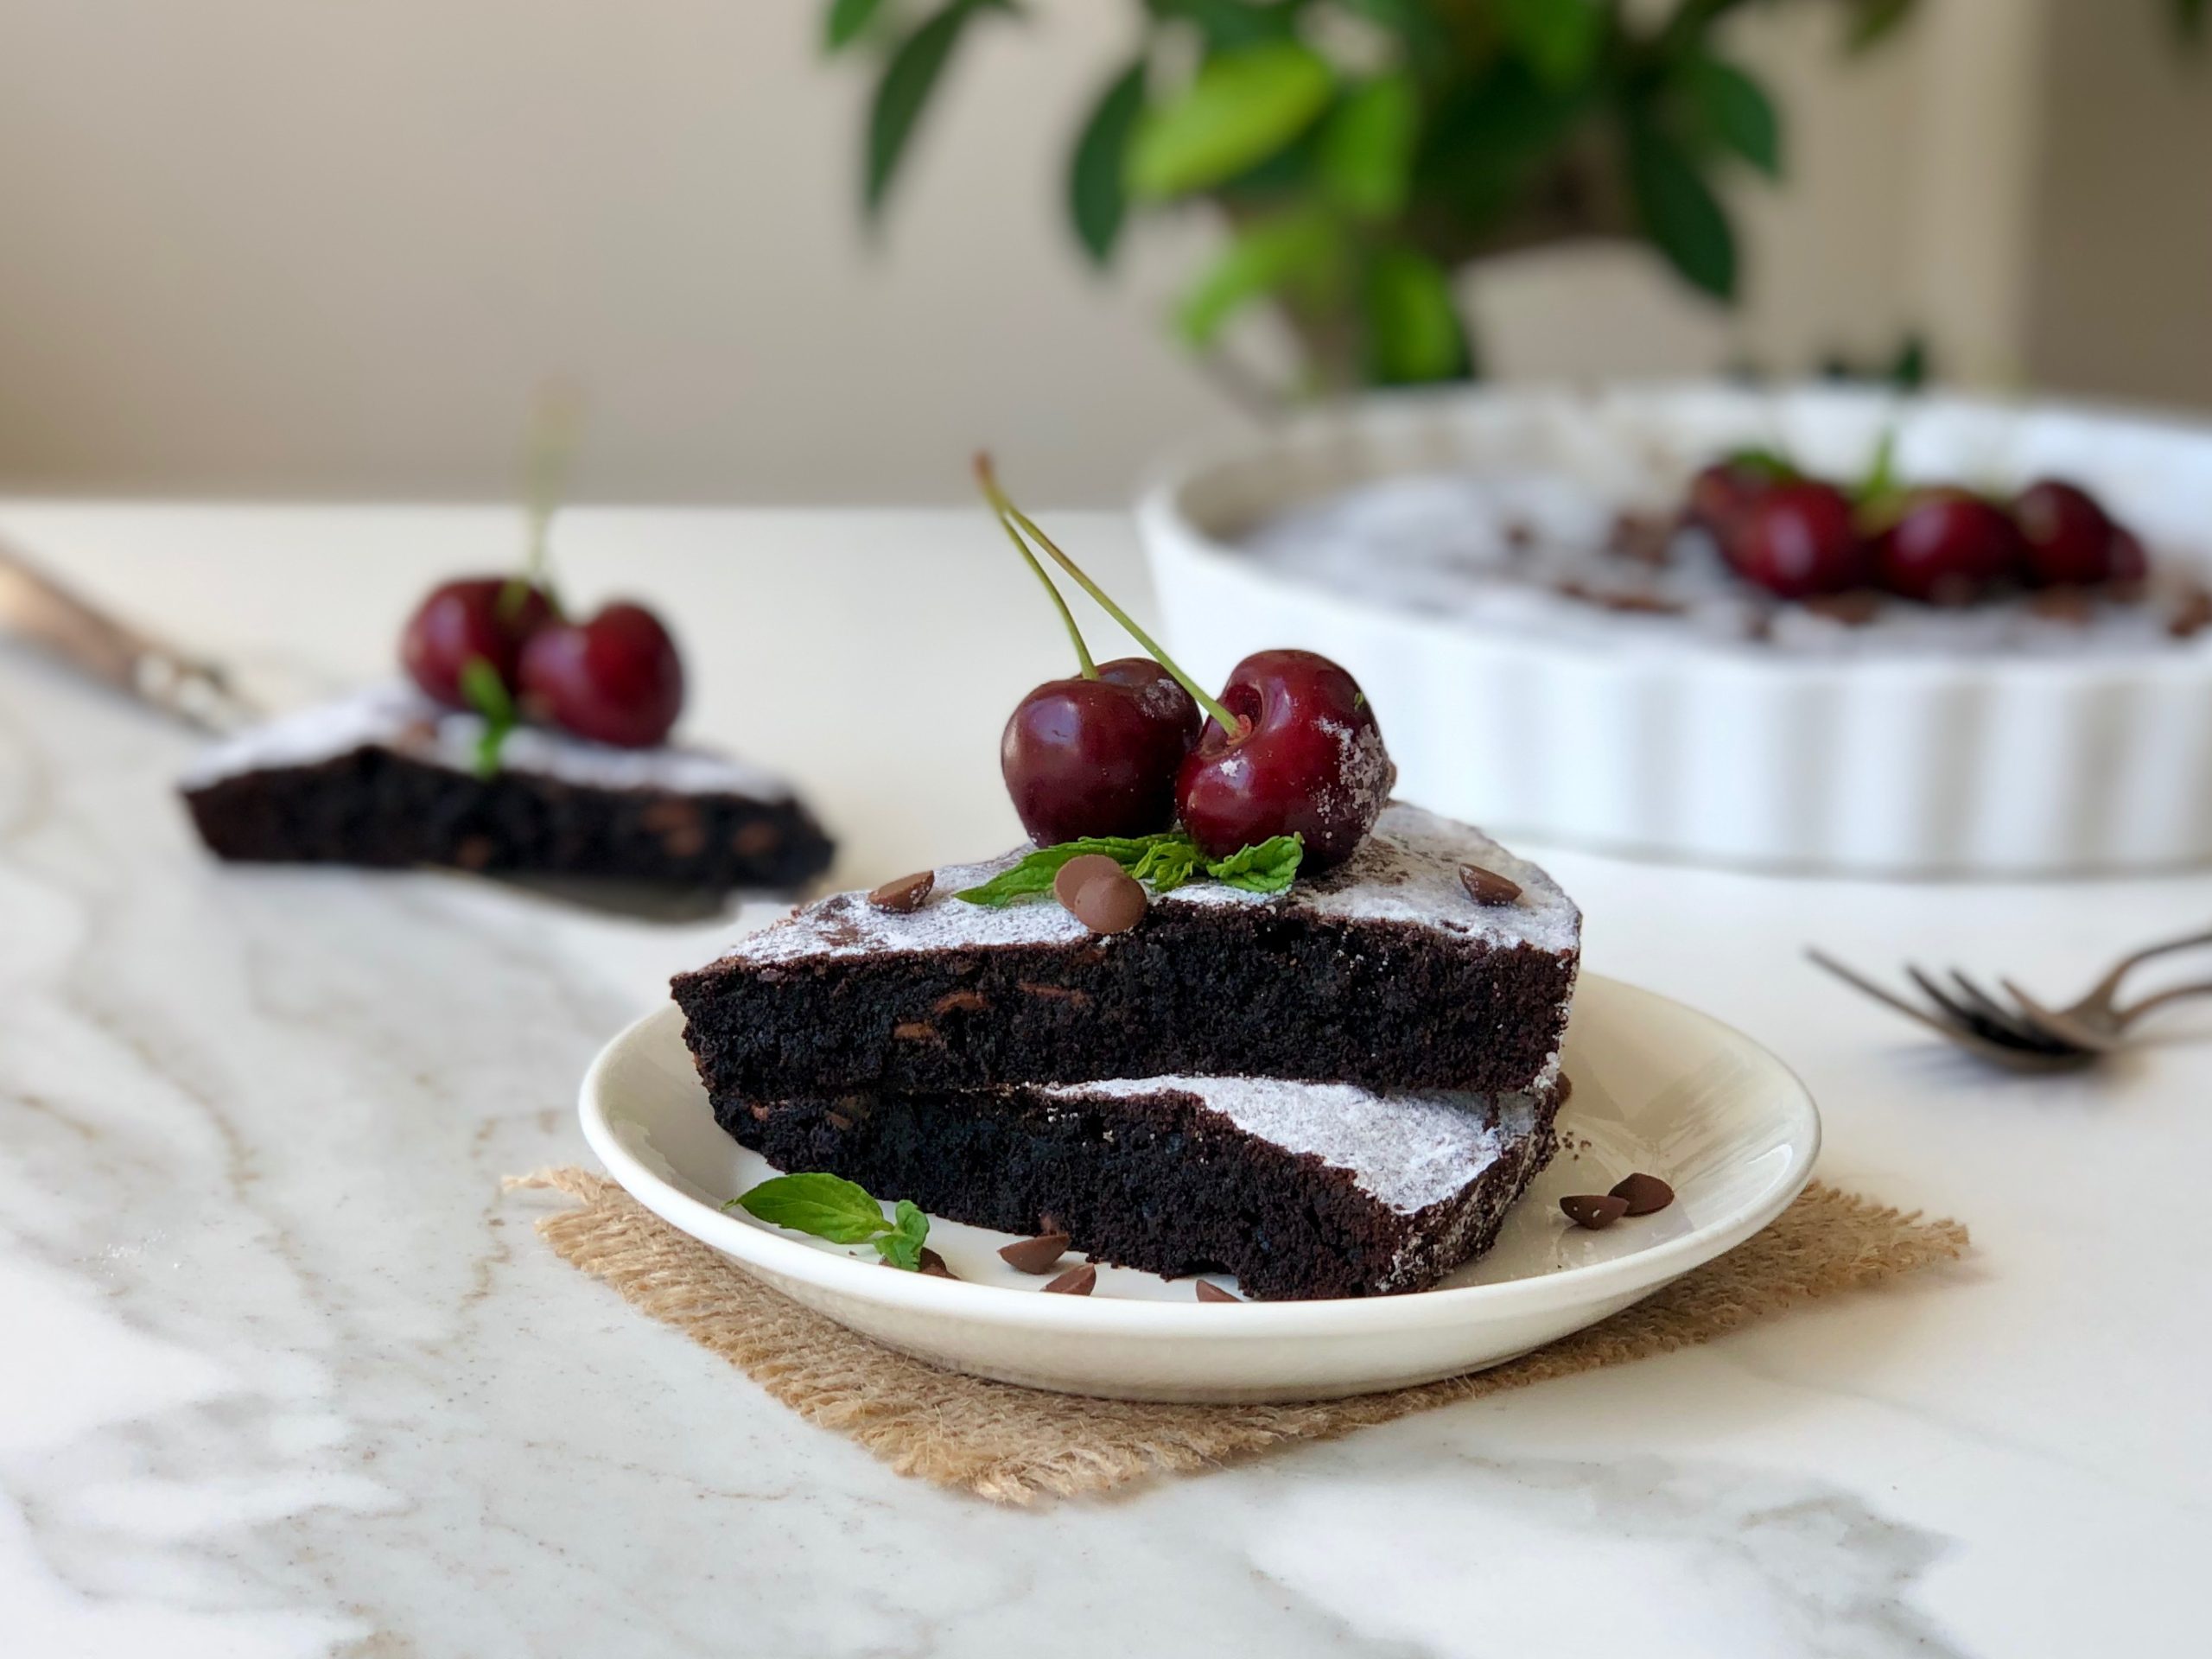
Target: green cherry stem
x: 1002, y: 507
x: 550, y: 450
x: 1227, y: 721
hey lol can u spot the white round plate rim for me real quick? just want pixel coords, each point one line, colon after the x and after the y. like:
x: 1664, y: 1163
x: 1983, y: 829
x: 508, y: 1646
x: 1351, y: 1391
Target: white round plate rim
x: 1589, y: 1285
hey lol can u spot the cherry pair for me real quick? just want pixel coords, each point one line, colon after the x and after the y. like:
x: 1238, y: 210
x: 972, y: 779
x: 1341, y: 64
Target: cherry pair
x: 613, y: 677
x: 1798, y: 536
x: 1122, y: 748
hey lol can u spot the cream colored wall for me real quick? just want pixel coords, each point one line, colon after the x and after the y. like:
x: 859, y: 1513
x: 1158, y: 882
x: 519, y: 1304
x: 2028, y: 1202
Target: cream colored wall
x: 259, y: 246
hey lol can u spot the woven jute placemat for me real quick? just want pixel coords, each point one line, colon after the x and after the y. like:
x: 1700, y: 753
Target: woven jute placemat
x: 1017, y: 1445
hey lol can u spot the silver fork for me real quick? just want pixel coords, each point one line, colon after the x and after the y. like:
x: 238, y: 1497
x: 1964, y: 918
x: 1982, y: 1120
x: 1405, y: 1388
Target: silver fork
x: 2026, y: 1034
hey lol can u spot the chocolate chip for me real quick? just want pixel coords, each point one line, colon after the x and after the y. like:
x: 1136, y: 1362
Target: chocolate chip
x: 1071, y: 876
x: 1853, y: 609
x: 2192, y: 616
x: 1210, y: 1292
x: 1040, y: 1255
x: 1486, y: 887
x: 1108, y: 902
x: 905, y: 895
x: 933, y: 1265
x: 1593, y: 1209
x: 1075, y: 1282
x: 1645, y: 1195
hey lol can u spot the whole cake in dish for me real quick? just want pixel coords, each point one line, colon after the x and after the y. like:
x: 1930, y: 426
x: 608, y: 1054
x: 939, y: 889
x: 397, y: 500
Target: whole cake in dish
x: 1232, y: 1009
x: 1752, y: 550
x: 388, y: 779
x: 1298, y: 1189
x: 523, y: 740
x: 1383, y: 971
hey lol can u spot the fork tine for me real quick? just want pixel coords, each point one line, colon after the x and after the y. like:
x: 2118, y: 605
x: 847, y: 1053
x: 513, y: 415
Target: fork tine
x: 2021, y: 1022
x: 2003, y: 1033
x: 2018, y: 1060
x: 2062, y: 1024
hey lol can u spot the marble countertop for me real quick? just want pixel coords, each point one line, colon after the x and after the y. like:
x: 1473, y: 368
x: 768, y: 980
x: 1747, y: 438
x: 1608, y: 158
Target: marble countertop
x: 284, y: 1374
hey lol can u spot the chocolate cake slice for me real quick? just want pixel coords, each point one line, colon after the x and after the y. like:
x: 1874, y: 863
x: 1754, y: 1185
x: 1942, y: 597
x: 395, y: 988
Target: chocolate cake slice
x: 388, y: 779
x: 1300, y: 1189
x: 1385, y: 971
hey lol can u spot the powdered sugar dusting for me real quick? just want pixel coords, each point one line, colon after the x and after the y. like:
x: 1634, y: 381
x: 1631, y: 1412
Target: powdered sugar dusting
x: 1408, y: 870
x: 395, y: 715
x: 1407, y: 1151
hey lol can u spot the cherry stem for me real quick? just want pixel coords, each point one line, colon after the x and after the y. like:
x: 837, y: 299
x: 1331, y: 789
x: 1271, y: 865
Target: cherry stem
x: 1001, y: 506
x: 552, y: 447
x: 1221, y: 717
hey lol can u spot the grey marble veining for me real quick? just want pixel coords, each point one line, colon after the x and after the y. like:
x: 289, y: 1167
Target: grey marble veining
x: 285, y: 1374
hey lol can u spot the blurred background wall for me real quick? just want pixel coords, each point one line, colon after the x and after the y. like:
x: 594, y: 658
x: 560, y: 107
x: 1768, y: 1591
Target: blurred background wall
x: 328, y: 249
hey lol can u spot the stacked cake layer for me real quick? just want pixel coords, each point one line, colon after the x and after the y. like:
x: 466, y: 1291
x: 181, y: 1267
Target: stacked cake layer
x: 1334, y: 1090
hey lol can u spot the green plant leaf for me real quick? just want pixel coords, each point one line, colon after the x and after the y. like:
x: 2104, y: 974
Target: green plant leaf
x: 1680, y: 212
x: 1097, y: 199
x: 1414, y: 334
x: 1302, y: 249
x: 1364, y: 158
x: 1269, y: 867
x: 1874, y: 20
x: 487, y: 693
x: 903, y: 90
x: 847, y: 21
x: 1228, y: 24
x: 1242, y: 107
x: 1739, y: 111
x: 819, y: 1204
x: 1558, y: 39
x: 902, y: 1246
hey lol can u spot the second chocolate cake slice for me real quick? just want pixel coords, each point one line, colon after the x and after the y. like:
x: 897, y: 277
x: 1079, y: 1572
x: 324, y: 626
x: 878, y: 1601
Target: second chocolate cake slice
x: 1300, y: 1189
x: 1387, y: 971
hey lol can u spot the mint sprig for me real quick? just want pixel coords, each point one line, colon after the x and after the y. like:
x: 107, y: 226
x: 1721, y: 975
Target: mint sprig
x: 487, y: 695
x: 823, y: 1205
x: 1165, y: 861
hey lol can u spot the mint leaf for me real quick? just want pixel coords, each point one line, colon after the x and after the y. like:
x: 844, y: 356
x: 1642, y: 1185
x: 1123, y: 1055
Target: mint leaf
x: 1034, y: 874
x: 1268, y: 868
x: 487, y: 695
x: 1881, y: 480
x: 902, y: 1246
x: 819, y: 1204
x: 1169, y: 864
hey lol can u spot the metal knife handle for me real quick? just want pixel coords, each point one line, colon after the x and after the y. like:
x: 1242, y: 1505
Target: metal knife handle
x: 35, y: 606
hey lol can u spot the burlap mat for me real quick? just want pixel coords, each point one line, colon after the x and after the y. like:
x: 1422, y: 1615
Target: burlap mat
x: 1016, y: 1445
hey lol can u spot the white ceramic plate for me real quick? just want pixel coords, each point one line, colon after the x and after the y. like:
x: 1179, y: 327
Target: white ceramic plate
x: 1657, y: 1087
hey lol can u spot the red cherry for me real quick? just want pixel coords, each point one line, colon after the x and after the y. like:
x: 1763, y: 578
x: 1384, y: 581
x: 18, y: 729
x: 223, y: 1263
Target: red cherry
x: 1307, y: 759
x: 2125, y: 562
x: 1798, y: 540
x: 1722, y: 494
x: 1947, y: 547
x: 2067, y: 536
x: 463, y: 620
x: 616, y: 678
x: 1098, y: 756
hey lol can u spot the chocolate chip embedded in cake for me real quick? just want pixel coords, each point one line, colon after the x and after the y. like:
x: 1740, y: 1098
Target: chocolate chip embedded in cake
x: 1383, y: 972
x: 387, y: 778
x: 1300, y: 1189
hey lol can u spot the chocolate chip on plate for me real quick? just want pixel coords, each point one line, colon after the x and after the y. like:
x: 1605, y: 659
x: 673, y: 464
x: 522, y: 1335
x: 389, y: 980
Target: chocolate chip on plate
x: 1593, y: 1209
x: 905, y: 895
x: 1487, y: 887
x: 1075, y: 1282
x: 1104, y: 900
x: 1210, y: 1292
x: 1038, y: 1255
x: 1645, y: 1195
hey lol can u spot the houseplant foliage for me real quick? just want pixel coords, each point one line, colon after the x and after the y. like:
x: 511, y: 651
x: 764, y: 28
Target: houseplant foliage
x: 1360, y: 152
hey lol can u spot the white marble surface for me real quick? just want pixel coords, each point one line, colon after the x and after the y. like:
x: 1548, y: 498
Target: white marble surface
x: 284, y: 1374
